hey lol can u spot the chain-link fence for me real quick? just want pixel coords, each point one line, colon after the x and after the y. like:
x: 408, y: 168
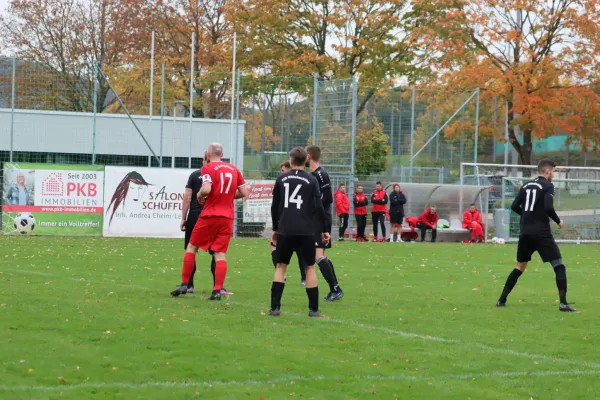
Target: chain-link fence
x: 161, y: 116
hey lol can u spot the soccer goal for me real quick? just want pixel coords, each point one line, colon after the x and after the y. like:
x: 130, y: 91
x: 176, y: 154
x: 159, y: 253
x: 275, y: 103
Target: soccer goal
x: 576, y: 198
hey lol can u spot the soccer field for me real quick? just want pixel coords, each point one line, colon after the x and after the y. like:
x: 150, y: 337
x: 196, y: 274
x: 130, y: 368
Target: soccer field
x: 92, y: 319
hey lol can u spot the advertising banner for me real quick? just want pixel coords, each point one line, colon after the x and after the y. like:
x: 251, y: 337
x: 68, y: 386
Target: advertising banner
x: 52, y: 199
x: 257, y: 208
x: 144, y: 202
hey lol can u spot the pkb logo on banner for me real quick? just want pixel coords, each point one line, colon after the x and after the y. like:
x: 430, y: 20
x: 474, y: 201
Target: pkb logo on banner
x: 71, y: 189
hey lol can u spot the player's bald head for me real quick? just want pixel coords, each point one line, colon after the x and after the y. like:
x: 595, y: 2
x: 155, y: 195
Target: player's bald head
x: 215, y: 149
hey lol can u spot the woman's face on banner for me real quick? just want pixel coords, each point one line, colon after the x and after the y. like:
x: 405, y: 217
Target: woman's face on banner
x: 20, y: 179
x: 137, y: 191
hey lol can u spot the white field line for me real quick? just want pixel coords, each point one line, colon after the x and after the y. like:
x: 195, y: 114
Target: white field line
x: 292, y: 378
x: 391, y: 331
x: 419, y: 336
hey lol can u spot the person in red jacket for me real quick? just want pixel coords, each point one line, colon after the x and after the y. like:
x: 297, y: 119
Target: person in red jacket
x: 472, y: 222
x: 379, y: 198
x: 342, y: 207
x: 428, y: 220
x: 360, y: 213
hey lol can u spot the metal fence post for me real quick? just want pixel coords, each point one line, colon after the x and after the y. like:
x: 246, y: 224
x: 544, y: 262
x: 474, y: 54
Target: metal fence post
x: 192, y: 78
x: 96, y: 84
x: 162, y: 112
x: 353, y: 151
x: 476, y: 128
x: 392, y: 131
x: 412, y: 132
x: 315, y: 100
x: 12, y: 107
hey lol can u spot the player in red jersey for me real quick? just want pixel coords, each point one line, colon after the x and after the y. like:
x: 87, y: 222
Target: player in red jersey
x: 222, y: 183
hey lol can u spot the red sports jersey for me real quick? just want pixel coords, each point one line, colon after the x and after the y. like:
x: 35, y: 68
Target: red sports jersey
x: 225, y: 179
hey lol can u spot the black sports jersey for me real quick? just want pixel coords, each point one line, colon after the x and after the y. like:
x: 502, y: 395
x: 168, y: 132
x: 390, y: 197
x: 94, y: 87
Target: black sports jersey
x: 195, y: 183
x: 296, y: 204
x: 325, y: 187
x: 535, y: 205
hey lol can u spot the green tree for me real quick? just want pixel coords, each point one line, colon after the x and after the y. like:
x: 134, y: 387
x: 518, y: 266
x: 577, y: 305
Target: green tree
x: 372, y: 148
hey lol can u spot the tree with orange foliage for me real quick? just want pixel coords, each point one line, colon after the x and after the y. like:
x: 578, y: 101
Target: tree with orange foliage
x: 333, y: 39
x: 540, y: 57
x: 59, y: 43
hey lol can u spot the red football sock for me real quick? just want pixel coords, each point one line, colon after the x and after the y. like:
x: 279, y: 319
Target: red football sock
x: 188, y: 267
x: 220, y: 273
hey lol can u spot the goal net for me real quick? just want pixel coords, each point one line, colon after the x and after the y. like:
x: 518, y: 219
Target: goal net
x: 576, y: 198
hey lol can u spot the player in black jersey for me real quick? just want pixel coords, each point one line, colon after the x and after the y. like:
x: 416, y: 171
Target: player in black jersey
x: 296, y: 201
x: 535, y: 205
x: 325, y: 264
x: 190, y: 212
x: 285, y: 167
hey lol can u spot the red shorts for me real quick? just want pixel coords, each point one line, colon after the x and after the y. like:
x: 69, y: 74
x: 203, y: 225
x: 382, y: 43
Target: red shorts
x: 212, y: 233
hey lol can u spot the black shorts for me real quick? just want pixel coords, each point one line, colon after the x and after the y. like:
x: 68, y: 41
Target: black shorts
x: 396, y: 218
x: 190, y: 222
x: 319, y: 238
x: 303, y: 246
x: 544, y: 244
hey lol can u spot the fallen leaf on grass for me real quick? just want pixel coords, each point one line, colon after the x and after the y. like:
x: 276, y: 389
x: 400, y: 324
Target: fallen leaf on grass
x: 61, y: 379
x: 585, y: 338
x: 342, y: 340
x: 30, y: 370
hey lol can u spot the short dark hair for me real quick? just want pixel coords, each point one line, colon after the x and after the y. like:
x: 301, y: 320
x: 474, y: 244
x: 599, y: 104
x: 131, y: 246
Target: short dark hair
x: 378, y: 183
x: 285, y: 164
x: 472, y: 205
x: 314, y: 151
x: 360, y: 185
x: 298, y: 157
x: 341, y: 184
x: 545, y: 164
x: 396, y: 184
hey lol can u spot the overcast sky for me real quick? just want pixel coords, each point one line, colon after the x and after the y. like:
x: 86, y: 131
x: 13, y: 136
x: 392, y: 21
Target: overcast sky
x: 3, y: 5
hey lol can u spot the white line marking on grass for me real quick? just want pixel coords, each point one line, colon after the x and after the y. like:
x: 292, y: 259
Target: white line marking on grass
x: 355, y: 324
x: 286, y: 379
x: 412, y: 335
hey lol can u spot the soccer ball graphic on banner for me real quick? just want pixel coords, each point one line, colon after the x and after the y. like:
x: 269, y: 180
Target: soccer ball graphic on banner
x: 24, y: 223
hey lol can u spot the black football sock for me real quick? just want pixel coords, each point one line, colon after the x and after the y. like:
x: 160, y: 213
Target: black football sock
x: 191, y: 282
x: 213, y: 268
x: 313, y: 298
x: 510, y: 283
x: 395, y: 237
x: 383, y: 228
x: 561, y: 282
x: 336, y: 286
x: 341, y: 233
x: 276, y: 293
x: 327, y: 272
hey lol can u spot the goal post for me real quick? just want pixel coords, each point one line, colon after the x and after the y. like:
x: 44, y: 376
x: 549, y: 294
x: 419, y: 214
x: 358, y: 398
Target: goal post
x: 576, y: 198
x: 576, y: 203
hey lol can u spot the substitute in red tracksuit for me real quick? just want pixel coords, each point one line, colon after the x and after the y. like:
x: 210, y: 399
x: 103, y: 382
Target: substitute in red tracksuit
x: 428, y: 220
x: 379, y: 198
x: 472, y: 222
x: 342, y: 207
x: 360, y: 213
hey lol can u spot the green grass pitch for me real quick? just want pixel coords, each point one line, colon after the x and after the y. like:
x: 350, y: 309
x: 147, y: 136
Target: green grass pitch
x: 85, y: 318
